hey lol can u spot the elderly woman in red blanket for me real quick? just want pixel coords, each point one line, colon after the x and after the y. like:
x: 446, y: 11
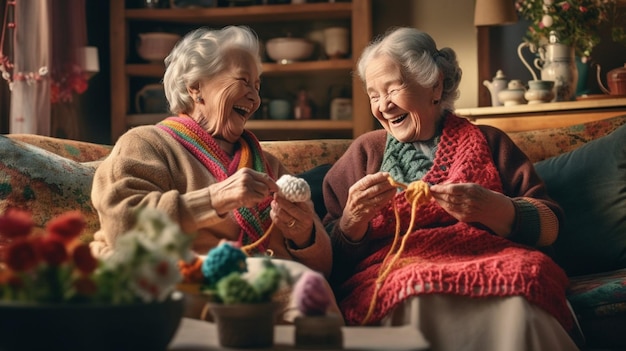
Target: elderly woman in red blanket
x: 203, y: 168
x: 434, y: 219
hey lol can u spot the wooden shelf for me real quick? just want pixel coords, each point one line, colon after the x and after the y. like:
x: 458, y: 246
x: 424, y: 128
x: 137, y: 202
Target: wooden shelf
x: 245, y: 14
x: 269, y: 69
x: 549, y: 115
x: 138, y: 119
x: 323, y: 73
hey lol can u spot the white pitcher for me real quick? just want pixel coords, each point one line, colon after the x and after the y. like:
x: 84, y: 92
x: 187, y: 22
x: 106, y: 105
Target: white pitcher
x: 556, y: 62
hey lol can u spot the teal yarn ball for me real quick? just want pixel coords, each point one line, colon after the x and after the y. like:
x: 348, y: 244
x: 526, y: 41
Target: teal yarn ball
x: 221, y: 261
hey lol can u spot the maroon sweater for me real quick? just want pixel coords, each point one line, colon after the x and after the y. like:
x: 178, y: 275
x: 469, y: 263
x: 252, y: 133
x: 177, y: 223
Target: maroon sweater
x: 443, y: 255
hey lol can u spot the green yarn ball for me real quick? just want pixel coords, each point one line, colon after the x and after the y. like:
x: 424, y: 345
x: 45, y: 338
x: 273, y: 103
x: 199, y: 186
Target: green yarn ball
x: 234, y: 289
x: 268, y: 281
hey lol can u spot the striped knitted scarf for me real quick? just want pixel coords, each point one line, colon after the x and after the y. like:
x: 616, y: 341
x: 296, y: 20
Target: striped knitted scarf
x: 445, y: 256
x: 253, y: 221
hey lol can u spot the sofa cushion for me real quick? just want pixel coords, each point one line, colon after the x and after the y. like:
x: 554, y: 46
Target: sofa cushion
x: 590, y: 185
x: 79, y: 151
x: 599, y: 301
x: 545, y: 143
x: 45, y: 183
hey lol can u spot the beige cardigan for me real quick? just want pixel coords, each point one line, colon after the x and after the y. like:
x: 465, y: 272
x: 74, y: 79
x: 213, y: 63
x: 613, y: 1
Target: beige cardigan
x: 147, y: 167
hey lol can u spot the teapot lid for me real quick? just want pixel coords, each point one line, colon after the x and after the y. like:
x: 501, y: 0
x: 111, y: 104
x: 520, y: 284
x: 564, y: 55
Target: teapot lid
x: 515, y: 84
x: 499, y: 75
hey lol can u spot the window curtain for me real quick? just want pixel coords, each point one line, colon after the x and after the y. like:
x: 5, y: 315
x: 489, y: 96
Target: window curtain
x: 47, y: 68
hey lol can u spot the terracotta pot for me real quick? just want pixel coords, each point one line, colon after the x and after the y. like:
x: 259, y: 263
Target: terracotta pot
x: 245, y: 325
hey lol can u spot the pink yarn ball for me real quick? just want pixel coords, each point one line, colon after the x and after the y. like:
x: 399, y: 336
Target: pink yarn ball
x: 311, y: 295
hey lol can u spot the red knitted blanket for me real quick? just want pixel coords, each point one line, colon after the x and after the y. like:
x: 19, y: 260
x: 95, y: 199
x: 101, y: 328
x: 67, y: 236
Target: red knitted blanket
x: 445, y: 256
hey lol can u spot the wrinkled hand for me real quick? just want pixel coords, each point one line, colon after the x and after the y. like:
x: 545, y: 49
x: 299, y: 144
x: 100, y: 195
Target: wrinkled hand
x: 245, y: 188
x: 469, y: 202
x: 294, y: 219
x: 365, y: 198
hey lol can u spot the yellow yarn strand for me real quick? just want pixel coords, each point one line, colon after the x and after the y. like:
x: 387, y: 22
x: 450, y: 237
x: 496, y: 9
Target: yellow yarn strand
x: 248, y: 248
x: 417, y: 193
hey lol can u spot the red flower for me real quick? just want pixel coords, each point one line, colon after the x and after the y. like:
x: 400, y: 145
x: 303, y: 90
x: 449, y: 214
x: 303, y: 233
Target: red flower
x: 22, y: 255
x: 7, y: 277
x: 565, y: 6
x: 16, y: 223
x: 84, y: 260
x: 67, y: 226
x: 53, y: 251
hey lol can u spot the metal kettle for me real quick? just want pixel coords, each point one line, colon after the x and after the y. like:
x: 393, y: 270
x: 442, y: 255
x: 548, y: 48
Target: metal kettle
x: 616, y: 80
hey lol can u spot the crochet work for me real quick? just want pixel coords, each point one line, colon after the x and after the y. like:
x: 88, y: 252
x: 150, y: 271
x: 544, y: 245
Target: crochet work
x: 446, y: 256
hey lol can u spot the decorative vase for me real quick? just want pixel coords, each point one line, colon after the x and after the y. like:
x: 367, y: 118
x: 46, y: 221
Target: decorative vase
x: 33, y: 326
x: 556, y: 62
x: 539, y: 91
x: 245, y: 325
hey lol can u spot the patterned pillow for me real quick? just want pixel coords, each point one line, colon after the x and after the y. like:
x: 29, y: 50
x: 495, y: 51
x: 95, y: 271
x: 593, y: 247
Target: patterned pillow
x: 45, y: 183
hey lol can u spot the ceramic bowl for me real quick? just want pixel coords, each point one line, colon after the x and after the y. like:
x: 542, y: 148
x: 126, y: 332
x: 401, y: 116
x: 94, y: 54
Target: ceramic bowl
x: 287, y: 50
x: 155, y: 46
x: 95, y: 327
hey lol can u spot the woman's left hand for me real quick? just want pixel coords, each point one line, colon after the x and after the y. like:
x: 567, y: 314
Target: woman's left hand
x: 469, y: 202
x: 294, y: 219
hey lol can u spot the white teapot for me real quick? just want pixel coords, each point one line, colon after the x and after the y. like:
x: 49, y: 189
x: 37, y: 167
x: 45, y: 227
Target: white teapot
x: 498, y: 84
x: 513, y: 94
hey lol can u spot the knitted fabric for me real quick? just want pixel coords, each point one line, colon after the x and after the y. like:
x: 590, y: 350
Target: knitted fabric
x: 444, y: 256
x: 406, y: 162
x: 253, y: 221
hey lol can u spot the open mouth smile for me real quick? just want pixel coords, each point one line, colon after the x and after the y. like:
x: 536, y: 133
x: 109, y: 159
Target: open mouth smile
x: 242, y: 110
x: 398, y: 119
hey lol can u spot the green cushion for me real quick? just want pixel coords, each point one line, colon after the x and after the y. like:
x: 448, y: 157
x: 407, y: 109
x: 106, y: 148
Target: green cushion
x: 590, y: 184
x: 44, y: 183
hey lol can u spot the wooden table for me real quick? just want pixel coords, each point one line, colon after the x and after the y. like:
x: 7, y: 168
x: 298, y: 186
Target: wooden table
x: 548, y: 115
x: 196, y: 335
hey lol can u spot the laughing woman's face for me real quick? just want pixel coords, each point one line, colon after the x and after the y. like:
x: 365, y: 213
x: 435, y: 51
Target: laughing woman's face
x: 404, y: 109
x: 231, y: 97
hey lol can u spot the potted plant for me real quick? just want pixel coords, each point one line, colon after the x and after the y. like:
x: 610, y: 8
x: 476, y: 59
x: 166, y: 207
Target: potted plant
x: 50, y: 284
x: 563, y: 33
x: 576, y: 23
x: 243, y: 306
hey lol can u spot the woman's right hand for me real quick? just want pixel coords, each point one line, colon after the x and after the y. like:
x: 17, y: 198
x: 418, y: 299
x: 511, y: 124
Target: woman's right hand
x: 365, y: 198
x: 245, y: 188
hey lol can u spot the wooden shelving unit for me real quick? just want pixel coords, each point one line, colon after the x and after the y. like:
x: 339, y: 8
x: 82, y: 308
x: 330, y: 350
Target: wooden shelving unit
x: 127, y: 68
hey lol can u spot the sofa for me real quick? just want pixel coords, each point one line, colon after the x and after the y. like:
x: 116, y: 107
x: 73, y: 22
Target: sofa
x: 584, y: 167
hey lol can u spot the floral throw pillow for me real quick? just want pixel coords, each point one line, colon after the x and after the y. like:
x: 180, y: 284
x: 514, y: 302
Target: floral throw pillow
x: 44, y: 183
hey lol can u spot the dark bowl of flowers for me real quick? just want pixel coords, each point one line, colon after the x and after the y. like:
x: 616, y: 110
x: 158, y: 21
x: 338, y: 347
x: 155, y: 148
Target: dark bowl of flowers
x: 55, y: 295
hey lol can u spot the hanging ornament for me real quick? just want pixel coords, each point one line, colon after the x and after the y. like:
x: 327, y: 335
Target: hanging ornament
x: 6, y: 66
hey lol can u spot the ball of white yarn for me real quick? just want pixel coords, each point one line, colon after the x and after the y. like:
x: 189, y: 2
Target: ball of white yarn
x: 293, y: 188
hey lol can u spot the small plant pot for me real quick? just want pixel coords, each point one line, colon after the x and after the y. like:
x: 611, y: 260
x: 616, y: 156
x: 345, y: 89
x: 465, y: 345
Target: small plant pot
x: 245, y: 325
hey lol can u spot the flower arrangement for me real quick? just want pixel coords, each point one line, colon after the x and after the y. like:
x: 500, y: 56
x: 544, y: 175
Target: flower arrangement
x: 574, y: 22
x: 52, y: 265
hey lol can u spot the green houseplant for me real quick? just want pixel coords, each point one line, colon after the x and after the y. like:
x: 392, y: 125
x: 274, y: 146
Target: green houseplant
x: 577, y: 23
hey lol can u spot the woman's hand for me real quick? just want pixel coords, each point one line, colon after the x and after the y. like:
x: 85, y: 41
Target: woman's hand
x: 245, y: 188
x: 470, y: 202
x: 294, y: 219
x: 365, y: 198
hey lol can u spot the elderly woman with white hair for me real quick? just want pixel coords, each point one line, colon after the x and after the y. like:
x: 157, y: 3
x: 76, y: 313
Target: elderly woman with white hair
x: 436, y: 221
x: 202, y: 167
